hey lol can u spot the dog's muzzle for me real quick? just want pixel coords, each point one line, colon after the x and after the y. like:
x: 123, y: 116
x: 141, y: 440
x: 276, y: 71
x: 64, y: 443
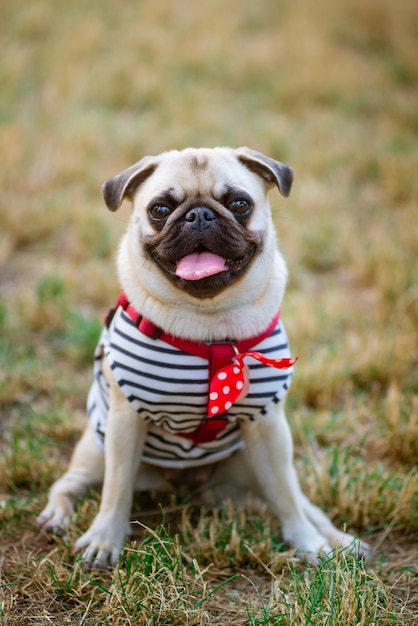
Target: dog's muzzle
x: 203, y: 251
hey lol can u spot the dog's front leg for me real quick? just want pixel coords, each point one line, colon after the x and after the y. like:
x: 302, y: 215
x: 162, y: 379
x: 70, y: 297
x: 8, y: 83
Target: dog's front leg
x: 124, y: 441
x: 270, y: 452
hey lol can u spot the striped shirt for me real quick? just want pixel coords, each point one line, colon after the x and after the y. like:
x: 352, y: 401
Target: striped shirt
x: 169, y: 389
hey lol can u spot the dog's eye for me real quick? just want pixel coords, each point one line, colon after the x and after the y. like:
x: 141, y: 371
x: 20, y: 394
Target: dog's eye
x: 159, y: 212
x: 240, y: 206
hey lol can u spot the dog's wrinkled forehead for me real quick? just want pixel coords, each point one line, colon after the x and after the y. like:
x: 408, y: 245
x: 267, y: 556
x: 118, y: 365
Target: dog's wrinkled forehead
x: 199, y: 173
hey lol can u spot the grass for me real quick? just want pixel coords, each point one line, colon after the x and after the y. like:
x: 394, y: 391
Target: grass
x: 330, y: 88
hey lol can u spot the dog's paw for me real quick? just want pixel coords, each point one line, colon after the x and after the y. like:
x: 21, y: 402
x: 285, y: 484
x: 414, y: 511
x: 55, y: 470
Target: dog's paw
x: 56, y: 515
x: 310, y: 545
x: 314, y: 551
x: 354, y: 546
x: 101, y: 546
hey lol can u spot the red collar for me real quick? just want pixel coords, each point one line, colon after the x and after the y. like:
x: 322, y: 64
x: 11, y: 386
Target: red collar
x: 203, y: 350
x: 218, y: 354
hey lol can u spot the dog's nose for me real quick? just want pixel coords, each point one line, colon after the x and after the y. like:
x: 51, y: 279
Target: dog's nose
x: 200, y: 216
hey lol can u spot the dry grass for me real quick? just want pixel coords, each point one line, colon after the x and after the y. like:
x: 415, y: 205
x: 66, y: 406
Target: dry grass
x: 331, y: 88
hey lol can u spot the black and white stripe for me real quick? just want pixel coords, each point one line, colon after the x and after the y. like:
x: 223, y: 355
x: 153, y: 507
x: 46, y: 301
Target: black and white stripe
x: 169, y: 388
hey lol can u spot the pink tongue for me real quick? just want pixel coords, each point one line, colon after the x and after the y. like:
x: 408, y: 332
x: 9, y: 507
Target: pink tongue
x: 199, y: 265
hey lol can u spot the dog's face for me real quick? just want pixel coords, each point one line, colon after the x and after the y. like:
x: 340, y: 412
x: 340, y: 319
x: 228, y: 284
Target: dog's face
x: 201, y: 216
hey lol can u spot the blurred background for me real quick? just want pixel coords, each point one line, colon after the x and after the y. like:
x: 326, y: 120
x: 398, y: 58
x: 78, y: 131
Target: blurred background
x: 88, y: 88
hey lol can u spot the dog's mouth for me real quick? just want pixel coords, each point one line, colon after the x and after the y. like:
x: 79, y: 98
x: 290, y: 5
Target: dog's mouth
x: 200, y: 264
x: 204, y: 273
x: 203, y: 250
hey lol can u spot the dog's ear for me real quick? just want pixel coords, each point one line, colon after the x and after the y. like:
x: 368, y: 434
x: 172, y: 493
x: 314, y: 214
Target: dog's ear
x: 124, y: 184
x: 271, y: 171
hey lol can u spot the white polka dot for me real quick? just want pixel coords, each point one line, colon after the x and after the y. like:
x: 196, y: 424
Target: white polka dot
x: 214, y: 395
x: 226, y: 390
x: 228, y: 405
x: 240, y: 385
x: 214, y: 409
x: 236, y: 370
x: 222, y: 375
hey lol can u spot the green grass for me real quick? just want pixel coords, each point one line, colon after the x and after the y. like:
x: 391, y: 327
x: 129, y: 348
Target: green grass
x: 330, y: 88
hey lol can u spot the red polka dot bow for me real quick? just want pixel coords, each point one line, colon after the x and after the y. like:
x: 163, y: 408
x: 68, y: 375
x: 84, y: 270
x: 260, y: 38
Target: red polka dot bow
x: 232, y: 382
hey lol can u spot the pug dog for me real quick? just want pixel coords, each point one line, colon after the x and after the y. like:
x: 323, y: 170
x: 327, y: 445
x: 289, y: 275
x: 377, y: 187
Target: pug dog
x: 193, y: 365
